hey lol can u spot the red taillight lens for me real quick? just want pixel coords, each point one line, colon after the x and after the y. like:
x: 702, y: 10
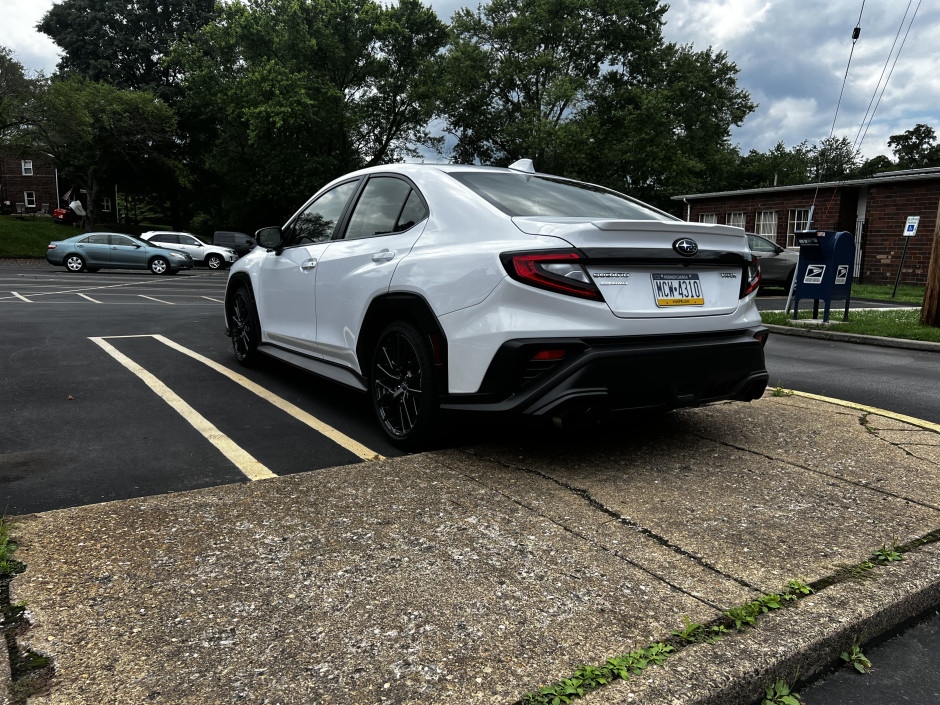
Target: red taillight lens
x: 51, y: 246
x: 549, y: 355
x: 554, y: 271
x: 751, y: 278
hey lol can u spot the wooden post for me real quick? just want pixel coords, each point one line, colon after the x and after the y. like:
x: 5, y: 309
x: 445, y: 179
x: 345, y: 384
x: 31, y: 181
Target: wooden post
x: 930, y: 313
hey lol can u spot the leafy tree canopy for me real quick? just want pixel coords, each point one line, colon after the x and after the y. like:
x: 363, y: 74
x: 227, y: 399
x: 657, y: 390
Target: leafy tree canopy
x: 916, y: 148
x: 123, y: 42
x: 16, y: 89
x: 283, y: 95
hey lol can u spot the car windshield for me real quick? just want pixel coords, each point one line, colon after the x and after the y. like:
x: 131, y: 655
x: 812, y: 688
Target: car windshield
x: 531, y: 195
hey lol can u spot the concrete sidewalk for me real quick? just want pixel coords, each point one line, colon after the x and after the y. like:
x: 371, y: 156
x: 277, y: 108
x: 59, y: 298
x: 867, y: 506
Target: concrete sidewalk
x: 480, y: 574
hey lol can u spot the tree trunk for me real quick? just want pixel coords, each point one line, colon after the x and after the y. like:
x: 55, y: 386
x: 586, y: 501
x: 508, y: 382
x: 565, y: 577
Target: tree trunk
x: 930, y: 313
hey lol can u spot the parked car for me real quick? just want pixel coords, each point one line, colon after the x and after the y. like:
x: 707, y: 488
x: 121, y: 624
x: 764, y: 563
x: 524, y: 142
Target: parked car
x: 777, y: 264
x: 240, y: 242
x: 500, y: 290
x: 93, y: 251
x: 212, y: 256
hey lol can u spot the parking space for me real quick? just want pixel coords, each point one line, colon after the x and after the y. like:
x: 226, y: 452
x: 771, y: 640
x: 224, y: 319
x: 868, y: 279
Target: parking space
x: 122, y: 385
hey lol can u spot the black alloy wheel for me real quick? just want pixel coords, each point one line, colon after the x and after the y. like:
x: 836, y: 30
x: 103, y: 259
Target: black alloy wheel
x: 244, y: 327
x: 402, y: 386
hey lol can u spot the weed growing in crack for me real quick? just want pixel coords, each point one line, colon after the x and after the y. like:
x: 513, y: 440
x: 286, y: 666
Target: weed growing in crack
x: 856, y: 658
x: 887, y: 555
x: 589, y: 678
x: 780, y: 693
x: 781, y: 392
x: 797, y: 589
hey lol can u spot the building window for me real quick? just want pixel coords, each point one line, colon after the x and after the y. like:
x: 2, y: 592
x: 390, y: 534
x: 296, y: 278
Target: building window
x: 799, y: 220
x: 27, y: 167
x: 29, y: 198
x: 736, y: 219
x: 106, y: 205
x: 767, y: 224
x: 708, y: 218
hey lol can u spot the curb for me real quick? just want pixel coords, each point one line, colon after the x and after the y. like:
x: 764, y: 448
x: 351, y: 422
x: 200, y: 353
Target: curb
x: 855, y: 338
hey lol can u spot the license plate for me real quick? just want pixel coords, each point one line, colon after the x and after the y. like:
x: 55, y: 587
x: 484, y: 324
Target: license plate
x: 677, y: 290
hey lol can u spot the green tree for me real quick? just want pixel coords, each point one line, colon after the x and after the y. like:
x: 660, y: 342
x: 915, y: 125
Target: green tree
x: 16, y: 89
x: 123, y: 42
x: 778, y: 166
x: 834, y: 159
x: 96, y: 134
x: 283, y: 95
x: 916, y: 148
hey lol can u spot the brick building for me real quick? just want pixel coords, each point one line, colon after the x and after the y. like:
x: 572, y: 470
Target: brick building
x: 27, y: 185
x: 874, y: 209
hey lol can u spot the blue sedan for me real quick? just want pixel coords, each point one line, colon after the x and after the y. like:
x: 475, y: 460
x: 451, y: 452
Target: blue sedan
x: 90, y: 252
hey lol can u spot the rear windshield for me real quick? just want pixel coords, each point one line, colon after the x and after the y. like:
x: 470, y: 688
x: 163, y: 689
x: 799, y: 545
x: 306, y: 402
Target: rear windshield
x: 530, y: 195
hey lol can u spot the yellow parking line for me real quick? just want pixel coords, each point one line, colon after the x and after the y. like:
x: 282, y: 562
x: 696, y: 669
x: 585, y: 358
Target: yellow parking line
x: 928, y: 425
x: 251, y: 468
x: 334, y: 435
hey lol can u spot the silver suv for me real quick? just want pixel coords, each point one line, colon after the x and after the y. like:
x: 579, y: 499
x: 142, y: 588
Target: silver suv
x: 212, y: 256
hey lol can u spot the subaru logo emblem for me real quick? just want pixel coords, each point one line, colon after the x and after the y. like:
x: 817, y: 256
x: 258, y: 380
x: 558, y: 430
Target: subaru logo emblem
x: 685, y: 246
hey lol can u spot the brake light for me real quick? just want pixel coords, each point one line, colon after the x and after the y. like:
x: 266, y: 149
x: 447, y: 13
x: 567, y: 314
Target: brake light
x: 751, y: 277
x: 51, y: 246
x: 554, y: 271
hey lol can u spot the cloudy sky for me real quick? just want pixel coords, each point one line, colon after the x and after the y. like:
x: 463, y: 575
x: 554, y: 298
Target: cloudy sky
x: 792, y: 56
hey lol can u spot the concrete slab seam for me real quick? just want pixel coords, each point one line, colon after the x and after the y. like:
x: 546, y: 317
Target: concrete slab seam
x: 586, y: 496
x: 817, y: 471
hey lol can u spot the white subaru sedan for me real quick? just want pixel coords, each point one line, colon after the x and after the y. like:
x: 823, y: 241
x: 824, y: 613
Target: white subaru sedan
x: 435, y: 287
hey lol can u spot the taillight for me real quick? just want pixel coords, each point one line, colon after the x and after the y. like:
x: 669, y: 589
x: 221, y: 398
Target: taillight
x: 554, y: 271
x: 51, y: 246
x: 751, y: 277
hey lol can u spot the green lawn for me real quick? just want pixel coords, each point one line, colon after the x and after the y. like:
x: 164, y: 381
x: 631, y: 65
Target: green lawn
x: 888, y: 323
x: 28, y: 236
x: 905, y: 294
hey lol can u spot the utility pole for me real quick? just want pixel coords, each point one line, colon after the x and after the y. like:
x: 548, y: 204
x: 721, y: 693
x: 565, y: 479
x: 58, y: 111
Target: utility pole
x: 930, y: 313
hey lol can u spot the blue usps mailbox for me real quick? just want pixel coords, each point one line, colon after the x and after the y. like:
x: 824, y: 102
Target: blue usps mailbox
x: 825, y: 269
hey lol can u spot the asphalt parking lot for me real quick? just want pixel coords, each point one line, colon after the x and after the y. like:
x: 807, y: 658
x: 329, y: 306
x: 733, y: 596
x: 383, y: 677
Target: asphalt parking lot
x: 123, y: 384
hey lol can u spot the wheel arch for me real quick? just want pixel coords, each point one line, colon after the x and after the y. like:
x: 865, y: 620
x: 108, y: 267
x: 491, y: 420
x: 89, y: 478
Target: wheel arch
x: 402, y: 307
x: 236, y: 280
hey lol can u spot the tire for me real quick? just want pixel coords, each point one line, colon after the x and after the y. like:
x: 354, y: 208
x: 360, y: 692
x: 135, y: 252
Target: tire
x: 214, y: 262
x: 402, y: 386
x: 75, y: 263
x: 244, y: 327
x: 158, y: 265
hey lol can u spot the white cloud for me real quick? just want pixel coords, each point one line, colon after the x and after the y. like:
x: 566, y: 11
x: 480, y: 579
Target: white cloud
x: 18, y: 33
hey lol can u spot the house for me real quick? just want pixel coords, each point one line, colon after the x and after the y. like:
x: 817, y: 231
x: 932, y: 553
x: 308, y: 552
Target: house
x: 27, y: 186
x: 32, y: 186
x: 874, y: 209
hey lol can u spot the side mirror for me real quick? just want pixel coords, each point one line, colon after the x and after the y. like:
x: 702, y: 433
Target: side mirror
x: 269, y: 238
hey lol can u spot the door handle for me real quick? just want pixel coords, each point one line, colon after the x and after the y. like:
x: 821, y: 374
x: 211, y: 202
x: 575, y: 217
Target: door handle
x: 383, y: 255
x: 308, y: 265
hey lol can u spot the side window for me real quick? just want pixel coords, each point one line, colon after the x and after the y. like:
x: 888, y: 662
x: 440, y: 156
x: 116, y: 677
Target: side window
x: 759, y: 245
x: 187, y: 240
x: 378, y: 208
x: 318, y: 220
x: 413, y: 213
x: 121, y: 240
x: 97, y: 239
x: 169, y: 239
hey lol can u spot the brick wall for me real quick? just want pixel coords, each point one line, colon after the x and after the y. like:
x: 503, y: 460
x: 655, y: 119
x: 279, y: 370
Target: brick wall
x: 13, y: 183
x: 889, y: 205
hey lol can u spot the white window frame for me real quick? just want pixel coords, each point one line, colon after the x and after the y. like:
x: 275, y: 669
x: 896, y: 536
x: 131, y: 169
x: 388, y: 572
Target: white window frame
x: 798, y: 220
x: 105, y: 204
x: 708, y: 218
x: 29, y: 198
x: 27, y: 167
x: 736, y: 219
x: 766, y: 225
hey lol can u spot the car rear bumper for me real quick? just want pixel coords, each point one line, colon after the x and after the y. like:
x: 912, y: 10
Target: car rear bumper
x: 620, y: 374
